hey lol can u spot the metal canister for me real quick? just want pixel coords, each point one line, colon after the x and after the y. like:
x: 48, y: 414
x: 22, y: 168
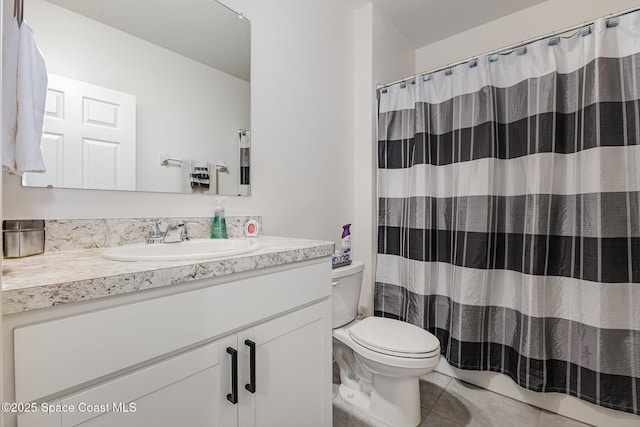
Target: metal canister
x: 21, y: 238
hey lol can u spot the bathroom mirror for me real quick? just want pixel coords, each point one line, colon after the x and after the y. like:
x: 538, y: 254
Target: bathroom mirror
x: 145, y: 95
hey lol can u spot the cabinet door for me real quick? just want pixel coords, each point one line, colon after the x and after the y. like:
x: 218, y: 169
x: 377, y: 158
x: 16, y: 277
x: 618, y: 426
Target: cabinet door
x: 39, y: 418
x: 184, y: 390
x: 293, y: 361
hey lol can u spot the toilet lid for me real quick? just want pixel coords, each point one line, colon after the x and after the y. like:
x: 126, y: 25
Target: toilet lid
x: 394, y: 337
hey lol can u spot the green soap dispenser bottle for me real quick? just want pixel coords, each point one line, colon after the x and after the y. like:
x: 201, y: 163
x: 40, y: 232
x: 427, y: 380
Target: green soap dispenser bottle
x: 219, y: 224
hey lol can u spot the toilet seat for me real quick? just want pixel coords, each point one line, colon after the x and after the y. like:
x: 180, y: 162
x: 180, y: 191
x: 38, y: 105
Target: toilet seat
x: 394, y: 338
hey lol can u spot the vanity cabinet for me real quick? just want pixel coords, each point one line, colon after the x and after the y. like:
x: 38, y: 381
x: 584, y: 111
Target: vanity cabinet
x: 171, y: 360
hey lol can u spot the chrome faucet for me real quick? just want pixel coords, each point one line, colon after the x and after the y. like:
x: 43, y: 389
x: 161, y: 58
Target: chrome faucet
x: 175, y: 233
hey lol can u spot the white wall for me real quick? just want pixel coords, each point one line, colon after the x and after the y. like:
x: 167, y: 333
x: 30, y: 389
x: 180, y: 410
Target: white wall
x: 382, y: 54
x: 184, y: 108
x: 362, y: 239
x: 393, y: 55
x: 544, y: 18
x: 302, y: 133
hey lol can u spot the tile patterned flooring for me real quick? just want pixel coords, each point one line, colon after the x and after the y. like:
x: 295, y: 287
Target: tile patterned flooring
x: 448, y: 402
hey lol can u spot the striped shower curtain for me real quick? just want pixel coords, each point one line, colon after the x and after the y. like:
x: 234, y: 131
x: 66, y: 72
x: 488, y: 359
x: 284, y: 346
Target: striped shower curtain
x: 509, y: 212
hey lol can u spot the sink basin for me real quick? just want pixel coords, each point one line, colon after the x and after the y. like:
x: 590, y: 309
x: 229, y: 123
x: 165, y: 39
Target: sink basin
x: 184, y: 251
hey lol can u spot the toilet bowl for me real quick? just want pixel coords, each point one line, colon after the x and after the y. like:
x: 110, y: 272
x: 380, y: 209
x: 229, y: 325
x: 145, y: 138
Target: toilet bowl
x: 380, y: 359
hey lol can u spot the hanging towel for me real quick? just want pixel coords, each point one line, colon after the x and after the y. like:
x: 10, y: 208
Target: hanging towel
x: 196, y: 177
x: 9, y: 100
x: 200, y: 175
x: 32, y: 95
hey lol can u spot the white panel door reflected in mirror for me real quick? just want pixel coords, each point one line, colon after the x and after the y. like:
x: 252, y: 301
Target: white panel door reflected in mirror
x: 89, y: 138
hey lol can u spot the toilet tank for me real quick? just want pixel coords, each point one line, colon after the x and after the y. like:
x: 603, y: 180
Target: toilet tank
x: 346, y: 284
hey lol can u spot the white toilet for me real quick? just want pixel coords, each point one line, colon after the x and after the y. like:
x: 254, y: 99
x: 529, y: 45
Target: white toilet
x: 380, y: 359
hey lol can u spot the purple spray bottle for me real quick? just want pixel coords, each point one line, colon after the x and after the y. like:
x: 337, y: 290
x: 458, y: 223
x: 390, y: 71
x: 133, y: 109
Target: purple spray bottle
x: 346, y: 239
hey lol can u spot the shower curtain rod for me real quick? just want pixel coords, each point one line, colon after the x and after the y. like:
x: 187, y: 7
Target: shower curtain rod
x: 510, y: 47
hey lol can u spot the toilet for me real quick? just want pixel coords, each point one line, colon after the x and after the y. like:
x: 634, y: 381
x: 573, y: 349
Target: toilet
x: 380, y: 359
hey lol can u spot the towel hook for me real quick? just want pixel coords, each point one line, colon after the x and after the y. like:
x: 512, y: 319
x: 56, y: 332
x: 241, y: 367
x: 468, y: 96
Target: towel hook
x: 18, y: 10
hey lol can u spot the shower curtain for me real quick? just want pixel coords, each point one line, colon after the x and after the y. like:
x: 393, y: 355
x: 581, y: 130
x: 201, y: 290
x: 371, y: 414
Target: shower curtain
x: 509, y: 212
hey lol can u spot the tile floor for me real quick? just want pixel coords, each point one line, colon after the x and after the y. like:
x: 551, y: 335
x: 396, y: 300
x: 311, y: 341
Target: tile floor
x: 448, y: 402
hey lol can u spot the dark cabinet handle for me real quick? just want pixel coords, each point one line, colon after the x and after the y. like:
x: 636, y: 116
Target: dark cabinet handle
x: 252, y: 364
x: 233, y: 396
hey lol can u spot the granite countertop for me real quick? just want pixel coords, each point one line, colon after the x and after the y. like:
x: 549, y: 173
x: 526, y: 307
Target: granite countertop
x: 65, y: 277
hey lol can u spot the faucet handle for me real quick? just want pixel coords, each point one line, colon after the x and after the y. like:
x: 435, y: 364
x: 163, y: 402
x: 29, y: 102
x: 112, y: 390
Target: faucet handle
x: 155, y: 229
x: 154, y: 235
x: 185, y: 229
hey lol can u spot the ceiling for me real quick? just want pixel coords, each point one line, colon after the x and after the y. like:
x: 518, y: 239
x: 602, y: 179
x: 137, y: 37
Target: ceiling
x: 423, y: 22
x: 223, y: 40
x: 203, y: 30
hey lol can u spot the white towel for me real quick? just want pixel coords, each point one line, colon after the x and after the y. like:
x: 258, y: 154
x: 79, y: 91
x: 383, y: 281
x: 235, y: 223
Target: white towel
x: 32, y: 95
x: 9, y: 99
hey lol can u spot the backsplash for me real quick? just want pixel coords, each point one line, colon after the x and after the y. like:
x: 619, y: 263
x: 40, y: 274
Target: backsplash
x: 69, y: 234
